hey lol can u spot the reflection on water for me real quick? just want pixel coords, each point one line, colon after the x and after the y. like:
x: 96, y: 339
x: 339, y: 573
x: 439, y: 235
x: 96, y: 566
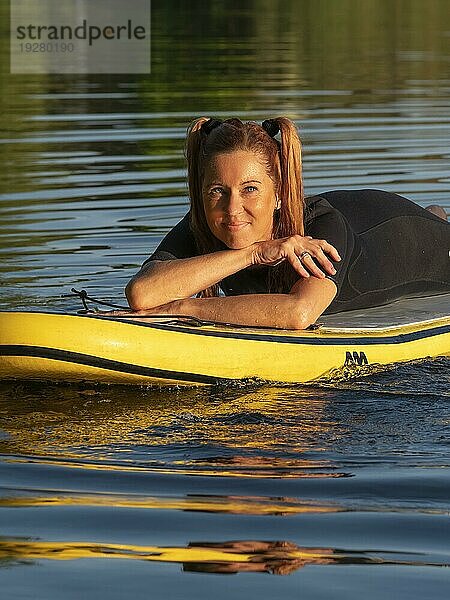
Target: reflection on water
x: 237, y: 505
x: 189, y: 431
x: 260, y: 432
x: 241, y: 556
x: 296, y: 478
x: 297, y: 481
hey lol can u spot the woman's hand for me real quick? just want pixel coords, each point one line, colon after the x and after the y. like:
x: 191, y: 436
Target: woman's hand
x: 300, y: 252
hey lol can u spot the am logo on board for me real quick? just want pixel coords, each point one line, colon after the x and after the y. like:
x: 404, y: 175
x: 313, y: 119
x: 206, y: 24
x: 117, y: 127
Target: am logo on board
x: 355, y: 358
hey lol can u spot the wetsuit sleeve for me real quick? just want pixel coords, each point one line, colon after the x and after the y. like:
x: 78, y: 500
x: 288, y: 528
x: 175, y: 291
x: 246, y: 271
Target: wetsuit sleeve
x: 329, y: 224
x: 178, y: 243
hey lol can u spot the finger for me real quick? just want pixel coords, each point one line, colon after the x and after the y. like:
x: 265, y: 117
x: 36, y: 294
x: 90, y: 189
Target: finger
x: 329, y: 249
x: 297, y: 264
x: 312, y: 267
x: 325, y: 263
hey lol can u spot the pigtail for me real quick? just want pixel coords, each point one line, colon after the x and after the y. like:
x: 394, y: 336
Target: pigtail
x: 194, y: 142
x: 290, y: 221
x: 196, y: 136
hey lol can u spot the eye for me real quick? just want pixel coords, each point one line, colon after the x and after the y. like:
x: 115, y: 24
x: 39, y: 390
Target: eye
x: 216, y: 190
x: 251, y: 188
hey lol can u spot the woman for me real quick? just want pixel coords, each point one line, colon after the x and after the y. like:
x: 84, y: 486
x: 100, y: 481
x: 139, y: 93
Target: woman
x: 280, y: 259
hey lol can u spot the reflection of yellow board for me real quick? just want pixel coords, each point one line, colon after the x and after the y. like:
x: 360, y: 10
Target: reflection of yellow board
x: 235, y: 554
x: 62, y: 347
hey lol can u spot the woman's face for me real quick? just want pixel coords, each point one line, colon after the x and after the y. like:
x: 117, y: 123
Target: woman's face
x: 239, y: 199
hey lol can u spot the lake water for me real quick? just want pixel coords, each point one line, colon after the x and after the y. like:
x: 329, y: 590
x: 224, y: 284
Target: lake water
x: 332, y: 491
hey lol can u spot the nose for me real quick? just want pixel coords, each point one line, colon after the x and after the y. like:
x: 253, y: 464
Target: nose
x: 233, y: 203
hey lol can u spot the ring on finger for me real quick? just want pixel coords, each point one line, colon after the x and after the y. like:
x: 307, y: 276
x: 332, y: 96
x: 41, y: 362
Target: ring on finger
x: 303, y: 255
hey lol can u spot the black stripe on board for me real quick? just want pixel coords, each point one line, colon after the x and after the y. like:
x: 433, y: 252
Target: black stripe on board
x: 103, y: 363
x: 308, y: 340
x: 313, y: 340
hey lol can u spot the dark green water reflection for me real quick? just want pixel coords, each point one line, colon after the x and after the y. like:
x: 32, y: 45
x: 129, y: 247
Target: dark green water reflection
x: 345, y: 490
x: 93, y: 167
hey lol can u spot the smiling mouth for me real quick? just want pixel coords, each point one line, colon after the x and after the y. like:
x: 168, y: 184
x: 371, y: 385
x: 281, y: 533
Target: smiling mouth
x: 234, y: 226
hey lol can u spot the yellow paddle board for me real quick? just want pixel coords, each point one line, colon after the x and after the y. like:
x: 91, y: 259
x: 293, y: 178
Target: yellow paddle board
x: 67, y: 347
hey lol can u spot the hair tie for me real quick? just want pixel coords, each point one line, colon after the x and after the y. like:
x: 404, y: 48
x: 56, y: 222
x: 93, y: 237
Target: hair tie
x: 271, y: 126
x: 211, y: 124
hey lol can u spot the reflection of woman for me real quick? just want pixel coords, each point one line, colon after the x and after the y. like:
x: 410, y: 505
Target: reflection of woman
x: 279, y: 259
x: 277, y: 557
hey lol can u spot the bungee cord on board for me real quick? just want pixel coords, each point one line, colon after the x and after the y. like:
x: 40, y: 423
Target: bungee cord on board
x: 188, y: 319
x: 85, y: 298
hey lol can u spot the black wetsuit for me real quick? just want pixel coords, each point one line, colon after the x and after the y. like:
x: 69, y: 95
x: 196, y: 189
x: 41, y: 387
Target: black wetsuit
x: 390, y: 248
